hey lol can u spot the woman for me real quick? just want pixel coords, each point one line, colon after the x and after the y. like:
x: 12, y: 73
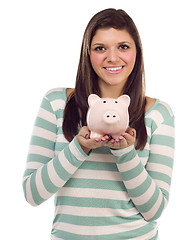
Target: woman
x: 105, y: 188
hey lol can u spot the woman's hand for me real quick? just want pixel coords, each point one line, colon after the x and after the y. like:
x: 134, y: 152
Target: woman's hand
x: 87, y: 143
x: 127, y: 139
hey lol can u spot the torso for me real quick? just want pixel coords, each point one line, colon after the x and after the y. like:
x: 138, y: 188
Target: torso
x: 106, y: 196
x: 149, y: 101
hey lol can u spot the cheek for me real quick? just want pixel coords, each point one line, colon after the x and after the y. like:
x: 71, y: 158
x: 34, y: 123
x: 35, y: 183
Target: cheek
x: 130, y: 58
x: 96, y: 60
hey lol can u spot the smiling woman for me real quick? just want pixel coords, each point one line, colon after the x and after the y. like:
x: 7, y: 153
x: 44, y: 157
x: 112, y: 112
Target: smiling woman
x: 105, y: 188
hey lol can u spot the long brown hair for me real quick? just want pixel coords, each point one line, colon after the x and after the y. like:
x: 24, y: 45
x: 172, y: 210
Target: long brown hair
x: 86, y: 79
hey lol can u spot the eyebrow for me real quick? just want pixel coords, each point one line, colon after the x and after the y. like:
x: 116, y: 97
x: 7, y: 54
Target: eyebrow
x: 102, y: 44
x: 126, y: 42
x: 97, y: 44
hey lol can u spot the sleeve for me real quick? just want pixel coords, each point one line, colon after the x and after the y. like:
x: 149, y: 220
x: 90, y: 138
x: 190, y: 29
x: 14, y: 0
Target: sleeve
x: 148, y: 187
x: 46, y: 173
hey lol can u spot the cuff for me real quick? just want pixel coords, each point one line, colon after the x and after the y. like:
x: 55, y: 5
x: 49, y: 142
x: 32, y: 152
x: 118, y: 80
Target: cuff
x: 76, y: 150
x: 121, y: 152
x: 124, y: 154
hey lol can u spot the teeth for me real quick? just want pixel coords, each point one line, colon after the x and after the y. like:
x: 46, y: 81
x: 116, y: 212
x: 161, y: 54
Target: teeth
x: 114, y: 69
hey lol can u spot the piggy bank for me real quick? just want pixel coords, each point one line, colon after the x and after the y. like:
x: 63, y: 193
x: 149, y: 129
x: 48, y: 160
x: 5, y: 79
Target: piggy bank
x: 107, y: 116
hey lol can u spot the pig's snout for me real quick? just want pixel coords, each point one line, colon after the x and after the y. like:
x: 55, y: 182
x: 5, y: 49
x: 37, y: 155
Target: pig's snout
x: 111, y: 117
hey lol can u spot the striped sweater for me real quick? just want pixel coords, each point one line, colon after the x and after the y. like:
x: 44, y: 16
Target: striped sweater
x: 108, y: 194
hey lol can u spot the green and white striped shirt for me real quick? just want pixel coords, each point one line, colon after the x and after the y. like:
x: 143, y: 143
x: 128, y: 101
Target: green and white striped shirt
x: 108, y: 194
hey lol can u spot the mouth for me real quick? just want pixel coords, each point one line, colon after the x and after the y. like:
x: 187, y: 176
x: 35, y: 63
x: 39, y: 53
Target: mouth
x: 114, y: 69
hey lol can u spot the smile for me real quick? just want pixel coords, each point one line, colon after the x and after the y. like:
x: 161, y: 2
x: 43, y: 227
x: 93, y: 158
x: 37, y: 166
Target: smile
x: 114, y: 69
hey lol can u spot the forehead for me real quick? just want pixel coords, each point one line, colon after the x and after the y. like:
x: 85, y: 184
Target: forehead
x: 112, y: 35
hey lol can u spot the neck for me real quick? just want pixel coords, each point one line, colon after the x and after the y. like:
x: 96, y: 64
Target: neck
x: 109, y: 91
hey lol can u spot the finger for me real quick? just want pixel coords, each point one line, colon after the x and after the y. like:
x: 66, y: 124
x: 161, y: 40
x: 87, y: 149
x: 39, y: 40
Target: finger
x: 108, y: 138
x: 97, y: 143
x: 83, y: 131
x: 116, y: 143
x: 131, y: 131
x: 91, y: 143
x: 103, y: 139
x: 86, y: 136
x: 123, y: 143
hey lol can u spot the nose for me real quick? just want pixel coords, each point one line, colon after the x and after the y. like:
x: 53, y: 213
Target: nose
x: 112, y: 55
x: 111, y: 117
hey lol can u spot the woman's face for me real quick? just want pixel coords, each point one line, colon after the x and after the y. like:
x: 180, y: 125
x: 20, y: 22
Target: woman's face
x: 112, y: 55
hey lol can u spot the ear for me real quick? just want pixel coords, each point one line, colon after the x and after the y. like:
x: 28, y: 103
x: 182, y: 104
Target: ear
x: 125, y: 99
x: 92, y: 99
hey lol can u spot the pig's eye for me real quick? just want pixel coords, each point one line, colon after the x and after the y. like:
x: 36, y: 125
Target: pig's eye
x: 104, y: 101
x: 116, y: 102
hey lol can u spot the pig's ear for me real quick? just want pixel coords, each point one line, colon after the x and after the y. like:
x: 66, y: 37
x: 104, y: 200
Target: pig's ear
x: 125, y: 99
x: 92, y: 99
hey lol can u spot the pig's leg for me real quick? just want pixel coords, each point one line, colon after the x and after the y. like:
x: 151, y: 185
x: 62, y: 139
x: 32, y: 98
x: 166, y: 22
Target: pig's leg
x: 115, y: 136
x: 95, y: 135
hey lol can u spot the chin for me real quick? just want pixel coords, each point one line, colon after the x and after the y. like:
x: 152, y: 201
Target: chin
x: 111, y: 81
x: 115, y: 82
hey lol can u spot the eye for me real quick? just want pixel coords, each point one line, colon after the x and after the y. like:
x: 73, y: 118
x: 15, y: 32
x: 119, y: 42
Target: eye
x: 99, y: 48
x: 104, y: 101
x: 116, y: 102
x: 124, y: 47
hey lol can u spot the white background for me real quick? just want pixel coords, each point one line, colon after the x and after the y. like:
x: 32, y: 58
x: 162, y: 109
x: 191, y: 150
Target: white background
x: 39, y: 49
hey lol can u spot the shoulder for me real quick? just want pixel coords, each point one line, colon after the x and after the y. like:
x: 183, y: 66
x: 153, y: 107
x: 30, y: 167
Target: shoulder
x: 56, y: 93
x: 160, y: 113
x: 56, y: 98
x: 69, y: 92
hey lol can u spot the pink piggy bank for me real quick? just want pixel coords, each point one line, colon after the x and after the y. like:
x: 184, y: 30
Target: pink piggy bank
x: 107, y: 116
